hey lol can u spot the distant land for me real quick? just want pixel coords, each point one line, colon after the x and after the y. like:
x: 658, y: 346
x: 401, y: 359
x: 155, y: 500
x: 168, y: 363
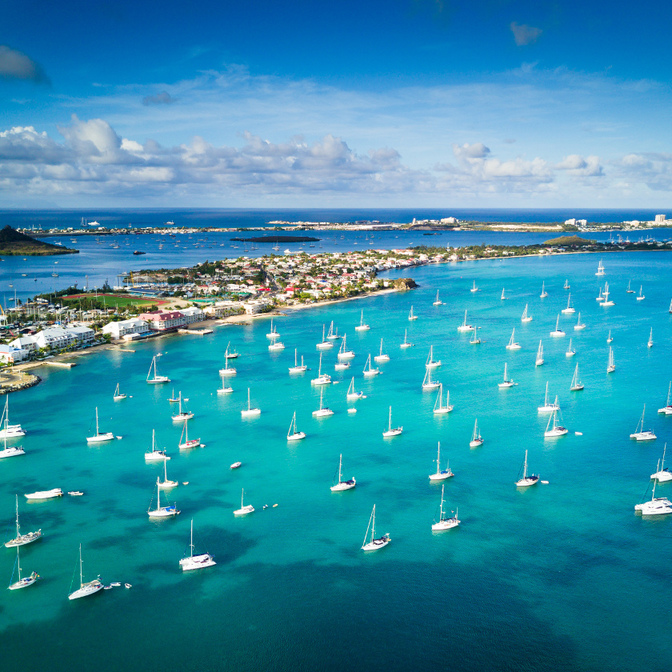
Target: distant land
x: 278, y: 239
x: 15, y: 243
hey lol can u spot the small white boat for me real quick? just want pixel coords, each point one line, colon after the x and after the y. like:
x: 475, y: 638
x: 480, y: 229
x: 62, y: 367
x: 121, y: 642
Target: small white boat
x: 406, y: 343
x: 439, y: 408
x: 22, y: 582
x: 609, y: 338
x: 579, y: 325
x: 553, y: 429
x: 506, y: 382
x: 182, y: 414
x: 323, y: 411
x: 441, y: 474
x: 464, y: 326
x: 167, y: 511
x: 374, y: 544
x: 540, y: 355
x: 155, y: 455
x: 512, y: 345
x: 224, y: 389
x: 503, y: 297
x: 118, y: 395
x: 649, y: 343
x: 325, y: 343
x: 99, y: 437
x: 431, y: 363
x: 166, y: 484
x: 227, y: 370
x: 351, y: 395
x: 11, y: 451
x: 527, y: 480
x: 544, y: 293
x: 276, y: 346
x: 444, y: 523
x: 629, y: 290
x: 641, y: 434
x: 557, y: 332
x: 297, y: 368
x: 473, y: 289
x: 381, y: 356
x: 656, y: 506
x: 600, y: 296
x: 322, y: 378
x: 438, y: 301
x: 273, y: 333
x: 570, y: 350
x: 236, y: 465
x: 185, y: 442
x: 331, y: 334
x: 44, y: 494
x: 250, y: 412
x: 428, y: 384
x: 392, y: 431
x: 244, y: 509
x: 667, y: 409
x: 476, y: 438
x: 293, y: 434
x: 88, y: 588
x: 600, y: 268
x: 153, y: 377
x: 611, y: 366
x: 411, y: 316
x: 569, y: 309
x: 548, y: 407
x: 368, y: 370
x: 7, y: 430
x: 191, y: 561
x: 22, y: 539
x: 576, y: 385
x: 606, y: 302
x: 662, y: 473
x: 340, y: 485
x: 341, y: 366
x: 525, y: 317
x: 230, y: 354
x: 566, y: 285
x: 640, y: 296
x: 362, y: 326
x: 475, y: 338
x: 343, y: 353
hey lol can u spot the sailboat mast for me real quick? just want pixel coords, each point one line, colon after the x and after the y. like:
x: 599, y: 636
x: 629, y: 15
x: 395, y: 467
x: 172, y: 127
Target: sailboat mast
x: 340, y: 465
x: 191, y: 539
x: 81, y: 574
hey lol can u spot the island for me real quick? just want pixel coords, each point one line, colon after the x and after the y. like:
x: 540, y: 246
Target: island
x: 278, y: 239
x: 15, y: 243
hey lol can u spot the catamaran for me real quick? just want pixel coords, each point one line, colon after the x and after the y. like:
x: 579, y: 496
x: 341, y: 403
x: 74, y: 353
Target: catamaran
x: 649, y: 343
x: 227, y: 370
x: 439, y: 408
x: 464, y: 326
x: 525, y: 317
x: 474, y: 288
x: 512, y: 345
x: 600, y: 268
x: 8, y: 431
x: 325, y: 343
x: 429, y: 384
x: 155, y: 455
x: 368, y: 370
x: 161, y: 511
x: 244, y: 509
x: 412, y: 317
x: 544, y: 293
x: 507, y: 382
x: 579, y: 325
x: 22, y: 539
x: 576, y: 385
x: 351, y: 394
x: 667, y: 409
x: 322, y: 378
x: 611, y: 366
x: 88, y: 588
x: 185, y: 442
x: 570, y: 350
x: 640, y: 296
x: 293, y: 434
x: 118, y: 395
x: 548, y: 407
x: 431, y: 363
x: 182, y: 414
x: 374, y: 544
x: 526, y: 480
x: 557, y: 333
x: 153, y: 377
x: 297, y: 368
x: 250, y: 412
x: 441, y: 474
x: 323, y: 411
x: 99, y: 436
x: 392, y: 431
x: 476, y: 438
x: 381, y: 356
x: 662, y: 473
x: 406, y: 343
x: 656, y: 506
x: 641, y: 434
x: 362, y: 326
x: 191, y: 561
x: 553, y: 429
x: 438, y: 301
x: 343, y: 352
x: 22, y: 582
x: 569, y: 309
x: 340, y: 484
x: 540, y: 355
x: 444, y: 523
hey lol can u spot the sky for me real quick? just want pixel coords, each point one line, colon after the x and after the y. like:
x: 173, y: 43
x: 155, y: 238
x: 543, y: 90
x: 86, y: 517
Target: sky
x: 402, y: 103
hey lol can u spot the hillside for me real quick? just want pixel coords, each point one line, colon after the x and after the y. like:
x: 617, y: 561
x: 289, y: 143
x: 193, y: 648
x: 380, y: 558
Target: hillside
x: 13, y: 243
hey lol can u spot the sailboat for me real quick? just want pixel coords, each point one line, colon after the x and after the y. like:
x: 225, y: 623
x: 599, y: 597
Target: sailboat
x: 464, y: 326
x: 230, y: 354
x: 362, y: 326
x: 381, y: 356
x: 165, y: 483
x: 155, y: 455
x: 502, y: 297
x: 324, y: 344
x: 441, y: 474
x: 161, y: 511
x: 600, y: 268
x: 191, y: 561
x: 368, y: 371
x: 544, y: 293
x: 512, y: 345
x: 553, y: 429
x: 340, y: 484
x: 526, y: 480
x: 392, y: 431
x: 600, y: 296
x: 579, y: 325
x: 250, y: 412
x: 431, y: 363
x: 343, y: 352
x: 374, y: 544
x: 662, y: 473
x: 569, y: 309
x: 439, y: 408
x: 429, y: 384
x: 227, y: 370
x: 475, y: 338
x: 293, y: 434
x: 548, y: 407
x: 185, y: 441
x: 557, y: 333
x: 566, y: 285
x: 667, y: 409
x: 118, y: 396
x: 22, y: 582
x: 153, y: 377
x: 474, y: 289
x: 8, y: 431
x: 629, y: 290
x: 576, y: 385
x: 182, y: 415
x: 669, y: 310
x: 640, y: 296
x: 656, y: 506
x: 351, y: 395
x: 322, y: 378
x: 88, y: 588
x: 273, y: 333
x: 525, y: 317
x: 438, y: 301
x: 22, y: 539
x: 297, y: 368
x: 224, y: 389
x: 244, y: 509
x: 331, y: 334
x: 540, y: 355
x: 276, y: 346
x: 649, y: 343
x: 607, y: 301
x: 476, y: 438
x: 444, y: 523
x: 641, y: 434
x: 570, y: 350
x: 323, y: 411
x: 406, y: 343
x: 11, y: 451
x: 99, y: 436
x: 609, y: 338
x: 412, y: 317
x: 611, y: 366
x: 507, y: 382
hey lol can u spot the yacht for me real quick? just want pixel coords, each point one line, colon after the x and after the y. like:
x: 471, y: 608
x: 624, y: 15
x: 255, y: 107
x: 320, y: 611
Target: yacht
x: 323, y: 411
x: 155, y: 455
x: 429, y: 384
x: 576, y: 385
x: 611, y: 366
x: 44, y: 494
x: 548, y: 407
x: 351, y: 395
x: 569, y: 309
x: 525, y: 317
x: 273, y: 333
x: 438, y: 301
x: 297, y: 368
x: 566, y: 285
x: 439, y: 408
x: 640, y: 296
x: 557, y: 333
x: 527, y: 479
x: 649, y: 343
x: 227, y: 370
x: 544, y: 293
x: 368, y: 370
x: 656, y: 506
x: 553, y: 429
x: 506, y: 382
x: 476, y: 438
x: 165, y: 484
x: 343, y: 353
x: 182, y: 414
x: 340, y: 484
x: 474, y: 289
x: 88, y: 588
x: 322, y: 378
x: 22, y: 539
x: 392, y: 431
x: 540, y: 355
x: 153, y: 377
x: 381, y: 357
x: 8, y: 431
x: 362, y: 326
x: 475, y: 338
x: 406, y: 343
x: 293, y: 434
x: 411, y: 316
x: 440, y: 474
x: 118, y: 395
x: 641, y: 434
x: 570, y: 350
x: 374, y: 544
x: 331, y: 334
x: 667, y: 409
x: 579, y: 325
x: 606, y: 301
x: 444, y: 523
x: 191, y: 561
x: 167, y: 511
x: 662, y: 473
x: 431, y: 363
x: 11, y: 451
x: 99, y: 437
x: 325, y: 343
x: 512, y: 345
x: 250, y: 412
x: 25, y: 581
x: 503, y: 297
x: 600, y: 268
x: 244, y: 508
x: 277, y: 346
x: 464, y: 326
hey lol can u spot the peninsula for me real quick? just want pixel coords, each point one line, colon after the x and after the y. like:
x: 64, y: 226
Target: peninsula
x: 15, y: 243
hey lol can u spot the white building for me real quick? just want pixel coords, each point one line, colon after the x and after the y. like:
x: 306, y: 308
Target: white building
x: 660, y: 219
x: 120, y: 329
x: 81, y: 334
x: 192, y: 314
x: 9, y: 355
x: 26, y: 343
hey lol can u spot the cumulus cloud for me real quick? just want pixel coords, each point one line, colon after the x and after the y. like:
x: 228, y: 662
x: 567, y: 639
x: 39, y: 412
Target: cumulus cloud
x: 466, y: 151
x: 575, y: 164
x: 162, y: 98
x: 524, y: 34
x: 16, y: 65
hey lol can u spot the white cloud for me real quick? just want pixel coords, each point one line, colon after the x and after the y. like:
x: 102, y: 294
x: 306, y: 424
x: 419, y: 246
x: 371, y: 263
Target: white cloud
x: 466, y: 151
x: 575, y: 164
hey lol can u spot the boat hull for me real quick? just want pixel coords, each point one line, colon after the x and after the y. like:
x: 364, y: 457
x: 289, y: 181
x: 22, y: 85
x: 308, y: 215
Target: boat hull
x: 197, y: 562
x: 90, y: 588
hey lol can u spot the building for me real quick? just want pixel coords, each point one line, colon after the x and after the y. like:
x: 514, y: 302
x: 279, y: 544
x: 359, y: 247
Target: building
x: 166, y: 321
x: 660, y: 219
x: 131, y: 326
x: 9, y: 355
x: 192, y: 315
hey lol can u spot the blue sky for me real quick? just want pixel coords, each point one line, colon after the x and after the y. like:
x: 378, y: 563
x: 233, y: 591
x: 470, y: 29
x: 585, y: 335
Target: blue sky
x: 408, y: 103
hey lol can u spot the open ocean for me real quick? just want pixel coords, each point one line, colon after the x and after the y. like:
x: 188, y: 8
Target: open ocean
x: 563, y: 576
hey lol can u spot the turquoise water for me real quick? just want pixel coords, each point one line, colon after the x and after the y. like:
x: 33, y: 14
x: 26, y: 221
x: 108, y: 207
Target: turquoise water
x: 561, y: 576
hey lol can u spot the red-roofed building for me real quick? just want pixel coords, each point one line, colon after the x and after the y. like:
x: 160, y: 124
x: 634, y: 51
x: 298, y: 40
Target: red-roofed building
x: 164, y: 321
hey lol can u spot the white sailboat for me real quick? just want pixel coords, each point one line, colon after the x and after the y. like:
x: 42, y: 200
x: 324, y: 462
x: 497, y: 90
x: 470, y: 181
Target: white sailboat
x: 629, y: 290
x: 411, y: 316
x: 406, y: 343
x: 579, y: 325
x: 506, y: 382
x: 351, y: 395
x: 512, y: 345
x: 441, y: 474
x: 8, y: 431
x: 476, y: 438
x: 566, y: 285
x: 570, y: 350
x: 540, y: 355
x: 250, y: 412
x: 656, y: 506
x: 161, y: 511
x: 576, y: 385
x: 600, y: 268
x: 609, y: 338
x: 323, y: 411
x: 297, y: 368
x: 641, y: 434
x: 22, y: 582
x: 544, y: 293
x: 325, y: 343
x: 606, y: 302
x: 227, y: 370
x: 340, y: 484
x: 230, y: 354
x: 182, y: 414
x: 464, y: 326
x: 600, y: 296
x: 444, y: 523
x: 526, y: 480
x: 649, y: 343
x: 569, y: 309
x: 392, y: 431
x: 331, y: 334
x: 475, y: 338
x: 118, y: 395
x: 611, y: 366
x: 381, y: 356
x: 368, y: 370
x: 185, y: 442
x: 662, y: 473
x: 153, y: 377
x: 22, y: 539
x: 439, y: 408
x: 224, y: 389
x: 525, y: 317
x: 191, y: 561
x: 474, y: 289
x: 277, y: 346
x: 343, y: 353
x: 548, y: 407
x: 155, y: 455
x: 374, y: 544
x: 293, y: 434
x: 341, y: 366
x: 99, y: 436
x: 273, y: 333
x: 322, y: 378
x: 431, y: 363
x: 557, y: 333
x: 640, y: 296
x: 553, y: 429
x: 11, y: 451
x: 166, y: 484
x: 503, y: 297
x: 438, y: 301
x: 244, y: 509
x: 362, y: 326
x: 428, y: 384
x: 88, y: 588
x: 667, y: 409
